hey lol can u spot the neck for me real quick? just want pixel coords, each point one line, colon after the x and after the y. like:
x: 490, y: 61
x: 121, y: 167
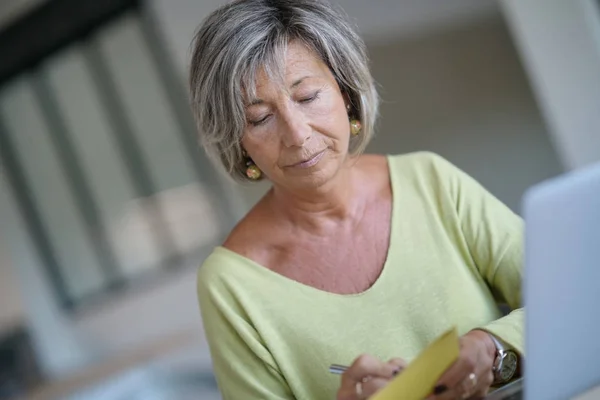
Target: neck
x: 317, y: 209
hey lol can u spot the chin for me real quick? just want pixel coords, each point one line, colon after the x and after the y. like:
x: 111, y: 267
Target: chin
x: 312, y: 178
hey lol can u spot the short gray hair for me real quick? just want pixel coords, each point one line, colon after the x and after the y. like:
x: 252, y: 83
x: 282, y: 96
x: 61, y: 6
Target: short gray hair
x: 240, y: 38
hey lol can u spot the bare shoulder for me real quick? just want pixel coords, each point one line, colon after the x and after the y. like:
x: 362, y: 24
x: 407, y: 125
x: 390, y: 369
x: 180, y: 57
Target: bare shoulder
x: 251, y: 232
x: 372, y: 162
x: 375, y: 168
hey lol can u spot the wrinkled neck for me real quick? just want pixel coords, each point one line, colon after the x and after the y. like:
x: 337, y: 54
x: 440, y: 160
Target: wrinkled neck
x: 319, y: 208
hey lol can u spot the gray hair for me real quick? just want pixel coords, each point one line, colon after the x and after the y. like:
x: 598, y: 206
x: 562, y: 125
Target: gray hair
x: 240, y: 38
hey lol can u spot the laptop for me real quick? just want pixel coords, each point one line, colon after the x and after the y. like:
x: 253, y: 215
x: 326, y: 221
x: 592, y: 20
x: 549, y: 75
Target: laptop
x: 561, y: 285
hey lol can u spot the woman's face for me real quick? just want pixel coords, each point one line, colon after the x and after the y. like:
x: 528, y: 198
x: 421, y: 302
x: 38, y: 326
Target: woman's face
x: 298, y: 134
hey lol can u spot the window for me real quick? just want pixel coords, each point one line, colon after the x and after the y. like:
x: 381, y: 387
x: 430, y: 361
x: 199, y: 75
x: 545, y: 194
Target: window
x: 99, y: 149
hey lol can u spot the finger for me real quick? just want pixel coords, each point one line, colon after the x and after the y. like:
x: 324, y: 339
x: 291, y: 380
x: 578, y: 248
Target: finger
x: 484, y: 384
x: 449, y: 383
x: 466, y: 389
x: 373, y: 386
x: 352, y: 390
x: 458, y: 372
x: 477, y: 388
x: 448, y: 394
x: 398, y: 362
x: 479, y: 395
x: 368, y: 366
x: 399, y: 365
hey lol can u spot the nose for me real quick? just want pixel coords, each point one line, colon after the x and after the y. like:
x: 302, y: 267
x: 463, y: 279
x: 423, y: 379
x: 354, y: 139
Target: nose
x: 295, y: 130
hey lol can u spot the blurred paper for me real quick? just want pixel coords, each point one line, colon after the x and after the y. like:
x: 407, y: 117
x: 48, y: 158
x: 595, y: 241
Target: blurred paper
x: 417, y: 381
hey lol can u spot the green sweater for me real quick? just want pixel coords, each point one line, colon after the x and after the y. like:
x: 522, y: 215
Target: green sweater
x: 455, y: 252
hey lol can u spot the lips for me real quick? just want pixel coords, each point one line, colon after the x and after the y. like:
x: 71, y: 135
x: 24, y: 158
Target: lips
x: 308, y: 162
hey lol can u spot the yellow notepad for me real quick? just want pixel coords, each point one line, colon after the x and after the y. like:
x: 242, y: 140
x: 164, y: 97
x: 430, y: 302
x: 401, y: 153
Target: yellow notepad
x: 417, y: 381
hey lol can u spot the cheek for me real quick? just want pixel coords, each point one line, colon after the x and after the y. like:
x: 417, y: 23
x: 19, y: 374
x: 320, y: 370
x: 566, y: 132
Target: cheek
x: 334, y: 119
x: 264, y: 153
x: 252, y: 147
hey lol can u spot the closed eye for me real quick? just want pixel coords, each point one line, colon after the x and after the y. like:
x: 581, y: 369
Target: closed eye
x: 310, y: 99
x: 260, y: 121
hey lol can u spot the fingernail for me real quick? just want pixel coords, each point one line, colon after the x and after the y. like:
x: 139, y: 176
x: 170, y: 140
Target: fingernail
x: 396, y: 371
x: 439, y: 389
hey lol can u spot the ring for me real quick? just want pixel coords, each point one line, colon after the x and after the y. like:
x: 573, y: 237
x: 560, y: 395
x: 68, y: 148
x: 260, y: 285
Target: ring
x: 473, y: 380
x: 359, y: 389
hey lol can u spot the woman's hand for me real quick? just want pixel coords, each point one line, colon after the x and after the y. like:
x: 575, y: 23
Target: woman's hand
x: 471, y: 376
x: 366, y: 376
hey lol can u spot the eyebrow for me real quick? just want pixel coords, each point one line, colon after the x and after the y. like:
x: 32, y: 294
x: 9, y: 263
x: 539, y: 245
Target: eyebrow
x: 298, y: 81
x: 255, y: 102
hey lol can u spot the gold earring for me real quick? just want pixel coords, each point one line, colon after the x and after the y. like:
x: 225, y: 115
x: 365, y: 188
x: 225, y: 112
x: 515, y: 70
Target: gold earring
x: 355, y: 127
x: 252, y: 171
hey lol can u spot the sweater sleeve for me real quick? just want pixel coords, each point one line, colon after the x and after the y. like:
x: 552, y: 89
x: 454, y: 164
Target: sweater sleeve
x: 243, y: 366
x: 494, y: 237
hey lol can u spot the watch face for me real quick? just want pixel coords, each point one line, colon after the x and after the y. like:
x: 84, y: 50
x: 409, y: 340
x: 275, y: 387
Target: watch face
x: 509, y: 366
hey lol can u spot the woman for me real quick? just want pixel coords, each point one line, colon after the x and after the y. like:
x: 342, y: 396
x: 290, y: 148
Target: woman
x: 349, y: 258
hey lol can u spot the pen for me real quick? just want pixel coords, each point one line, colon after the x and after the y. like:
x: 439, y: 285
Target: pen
x: 337, y: 369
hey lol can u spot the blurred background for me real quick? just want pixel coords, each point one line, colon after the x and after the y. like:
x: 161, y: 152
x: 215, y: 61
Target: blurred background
x: 107, y: 206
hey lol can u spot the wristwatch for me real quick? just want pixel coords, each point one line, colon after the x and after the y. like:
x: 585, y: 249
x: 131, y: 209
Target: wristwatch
x: 505, y: 364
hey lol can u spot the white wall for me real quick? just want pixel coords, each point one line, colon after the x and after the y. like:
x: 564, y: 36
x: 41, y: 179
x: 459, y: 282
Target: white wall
x: 463, y: 94
x: 559, y: 42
